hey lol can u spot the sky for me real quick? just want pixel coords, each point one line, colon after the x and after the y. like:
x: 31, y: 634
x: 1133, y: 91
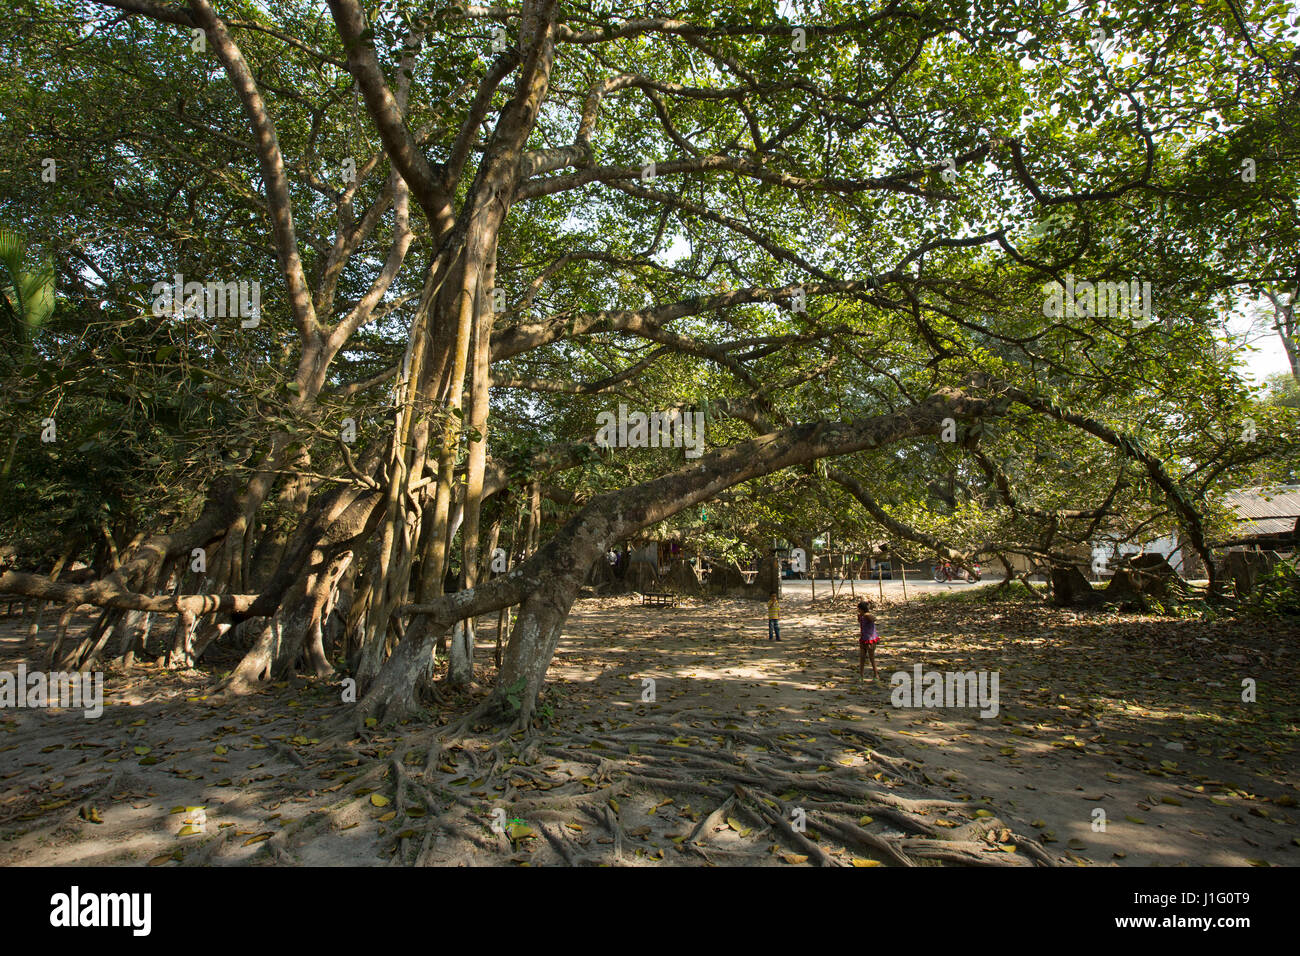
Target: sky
x: 1268, y: 357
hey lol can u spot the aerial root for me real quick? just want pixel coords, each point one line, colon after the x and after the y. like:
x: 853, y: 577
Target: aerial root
x: 281, y: 844
x: 561, y: 844
x: 615, y: 828
x: 210, y: 848
x: 852, y: 834
x: 902, y: 820
x: 793, y: 836
x: 740, y: 785
x: 705, y: 826
x: 745, y: 785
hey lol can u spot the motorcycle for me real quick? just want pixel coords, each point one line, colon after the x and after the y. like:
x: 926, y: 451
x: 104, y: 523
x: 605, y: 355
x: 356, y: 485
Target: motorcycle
x: 946, y: 571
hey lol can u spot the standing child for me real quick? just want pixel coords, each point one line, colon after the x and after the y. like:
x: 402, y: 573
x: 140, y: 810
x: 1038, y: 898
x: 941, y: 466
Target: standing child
x: 773, y: 617
x: 867, y: 639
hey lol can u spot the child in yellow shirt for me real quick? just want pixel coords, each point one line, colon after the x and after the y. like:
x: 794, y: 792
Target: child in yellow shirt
x: 773, y: 617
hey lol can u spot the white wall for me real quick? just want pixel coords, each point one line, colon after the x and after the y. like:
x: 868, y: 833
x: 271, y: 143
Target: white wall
x: 1104, y: 551
x: 1167, y: 547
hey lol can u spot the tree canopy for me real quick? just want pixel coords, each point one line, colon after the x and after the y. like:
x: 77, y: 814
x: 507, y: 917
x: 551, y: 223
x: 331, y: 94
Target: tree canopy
x: 952, y: 273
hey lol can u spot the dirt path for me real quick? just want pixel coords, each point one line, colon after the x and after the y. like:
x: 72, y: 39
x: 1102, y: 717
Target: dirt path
x: 1140, y: 718
x: 740, y: 743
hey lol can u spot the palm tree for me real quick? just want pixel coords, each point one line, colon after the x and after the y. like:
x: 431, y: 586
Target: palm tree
x: 26, y: 304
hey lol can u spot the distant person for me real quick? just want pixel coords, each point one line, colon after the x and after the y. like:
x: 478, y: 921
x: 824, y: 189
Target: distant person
x: 867, y: 639
x: 773, y: 617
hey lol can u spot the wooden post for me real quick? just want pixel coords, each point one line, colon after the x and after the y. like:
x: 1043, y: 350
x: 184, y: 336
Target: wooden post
x: 903, y: 567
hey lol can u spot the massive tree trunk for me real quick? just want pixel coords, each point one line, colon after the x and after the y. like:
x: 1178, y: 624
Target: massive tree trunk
x: 460, y: 670
x: 457, y: 300
x: 548, y: 581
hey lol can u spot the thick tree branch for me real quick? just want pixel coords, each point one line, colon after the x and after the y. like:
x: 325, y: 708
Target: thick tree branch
x: 271, y: 161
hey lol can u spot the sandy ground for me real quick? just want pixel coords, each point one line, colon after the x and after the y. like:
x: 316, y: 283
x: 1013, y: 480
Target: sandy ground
x: 1140, y: 718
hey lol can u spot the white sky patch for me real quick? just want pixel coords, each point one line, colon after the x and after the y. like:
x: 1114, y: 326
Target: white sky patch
x: 788, y: 10
x: 1259, y: 349
x: 678, y: 249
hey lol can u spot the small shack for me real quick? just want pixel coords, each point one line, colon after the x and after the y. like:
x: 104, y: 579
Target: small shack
x: 1267, y: 519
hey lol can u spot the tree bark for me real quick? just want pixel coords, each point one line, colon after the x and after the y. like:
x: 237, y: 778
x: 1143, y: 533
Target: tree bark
x: 460, y: 672
x: 547, y: 582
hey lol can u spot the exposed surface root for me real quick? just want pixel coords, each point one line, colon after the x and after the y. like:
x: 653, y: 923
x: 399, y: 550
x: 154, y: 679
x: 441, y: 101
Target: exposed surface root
x: 752, y: 754
x: 635, y: 796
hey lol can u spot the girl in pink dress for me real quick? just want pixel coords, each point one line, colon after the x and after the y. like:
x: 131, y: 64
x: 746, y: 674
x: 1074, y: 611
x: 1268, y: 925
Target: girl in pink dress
x: 867, y: 640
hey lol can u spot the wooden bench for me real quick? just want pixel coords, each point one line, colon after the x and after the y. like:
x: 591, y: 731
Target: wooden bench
x: 659, y: 599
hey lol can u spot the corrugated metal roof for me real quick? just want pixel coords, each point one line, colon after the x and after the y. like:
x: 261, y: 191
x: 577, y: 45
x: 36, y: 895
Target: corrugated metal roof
x: 1266, y: 510
x: 1267, y: 525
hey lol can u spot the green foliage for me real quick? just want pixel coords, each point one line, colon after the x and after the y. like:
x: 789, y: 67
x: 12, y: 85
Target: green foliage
x: 1284, y: 390
x: 513, y: 692
x: 156, y: 177
x: 987, y: 594
x: 26, y: 294
x: 1276, y: 593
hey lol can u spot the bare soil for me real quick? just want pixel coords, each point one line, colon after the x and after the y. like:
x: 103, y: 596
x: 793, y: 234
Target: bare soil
x: 742, y: 752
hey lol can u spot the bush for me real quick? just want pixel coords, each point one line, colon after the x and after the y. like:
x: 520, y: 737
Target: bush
x: 988, y: 594
x: 1276, y: 594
